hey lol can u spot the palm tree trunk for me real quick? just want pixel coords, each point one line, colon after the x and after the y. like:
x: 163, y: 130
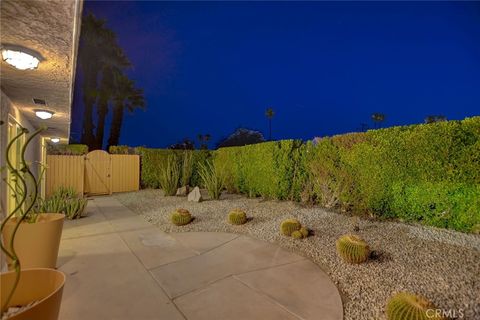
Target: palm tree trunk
x: 89, y: 101
x: 116, y: 127
x: 102, y: 111
x: 270, y: 129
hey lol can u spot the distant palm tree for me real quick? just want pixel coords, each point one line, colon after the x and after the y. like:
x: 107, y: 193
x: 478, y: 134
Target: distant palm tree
x: 127, y: 97
x: 378, y: 118
x: 435, y: 118
x: 204, y: 138
x: 270, y: 113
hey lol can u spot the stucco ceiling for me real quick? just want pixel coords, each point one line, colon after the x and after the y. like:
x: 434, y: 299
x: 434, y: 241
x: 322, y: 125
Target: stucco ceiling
x: 51, y: 28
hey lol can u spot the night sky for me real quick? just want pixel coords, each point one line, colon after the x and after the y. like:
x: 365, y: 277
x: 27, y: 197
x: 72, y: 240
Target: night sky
x: 323, y: 67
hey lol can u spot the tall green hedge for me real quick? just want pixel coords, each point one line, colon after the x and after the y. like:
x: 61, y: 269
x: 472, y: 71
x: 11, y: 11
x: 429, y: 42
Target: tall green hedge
x: 428, y: 173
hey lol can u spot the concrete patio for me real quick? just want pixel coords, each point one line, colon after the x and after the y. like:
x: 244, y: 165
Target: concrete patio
x: 119, y: 266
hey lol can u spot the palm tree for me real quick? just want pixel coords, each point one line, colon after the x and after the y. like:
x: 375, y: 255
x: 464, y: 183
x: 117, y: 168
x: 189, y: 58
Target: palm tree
x: 378, y: 118
x: 204, y: 138
x: 100, y: 58
x: 90, y: 46
x: 111, y: 77
x: 270, y: 113
x: 126, y: 97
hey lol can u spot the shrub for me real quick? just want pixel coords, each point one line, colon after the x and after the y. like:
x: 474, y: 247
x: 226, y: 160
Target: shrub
x: 237, y: 217
x: 212, y: 179
x: 288, y: 226
x: 67, y: 149
x: 187, y: 167
x: 64, y: 200
x: 169, y: 176
x: 181, y: 217
x: 74, y: 208
x: 407, y: 306
x: 121, y: 150
x: 353, y: 249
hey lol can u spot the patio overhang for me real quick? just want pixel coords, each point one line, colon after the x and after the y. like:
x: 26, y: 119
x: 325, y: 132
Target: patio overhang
x: 50, y: 28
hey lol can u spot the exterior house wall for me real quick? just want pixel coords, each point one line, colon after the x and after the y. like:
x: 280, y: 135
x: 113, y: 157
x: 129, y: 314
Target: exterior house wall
x: 33, y: 153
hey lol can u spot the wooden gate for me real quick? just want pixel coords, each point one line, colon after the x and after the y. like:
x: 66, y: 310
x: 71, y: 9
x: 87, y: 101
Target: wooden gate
x: 95, y: 173
x: 98, y: 173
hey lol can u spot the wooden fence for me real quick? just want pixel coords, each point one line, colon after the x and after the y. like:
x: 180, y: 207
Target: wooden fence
x: 95, y: 173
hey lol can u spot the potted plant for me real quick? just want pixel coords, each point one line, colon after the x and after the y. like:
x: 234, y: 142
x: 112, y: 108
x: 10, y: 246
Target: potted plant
x: 29, y: 293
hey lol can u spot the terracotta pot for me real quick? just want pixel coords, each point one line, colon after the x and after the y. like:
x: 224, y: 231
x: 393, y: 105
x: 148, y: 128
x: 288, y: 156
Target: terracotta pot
x: 36, y: 243
x: 42, y: 285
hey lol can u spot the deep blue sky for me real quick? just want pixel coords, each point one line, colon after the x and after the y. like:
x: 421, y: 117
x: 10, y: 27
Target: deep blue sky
x: 324, y: 67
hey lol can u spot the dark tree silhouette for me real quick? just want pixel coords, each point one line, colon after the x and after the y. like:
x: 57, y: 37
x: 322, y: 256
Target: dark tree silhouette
x: 242, y: 137
x: 435, y: 118
x: 127, y: 97
x: 378, y: 118
x: 270, y: 113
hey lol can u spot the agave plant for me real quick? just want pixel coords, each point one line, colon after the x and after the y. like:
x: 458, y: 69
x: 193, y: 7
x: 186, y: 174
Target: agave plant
x: 212, y: 178
x: 170, y: 176
x: 74, y: 208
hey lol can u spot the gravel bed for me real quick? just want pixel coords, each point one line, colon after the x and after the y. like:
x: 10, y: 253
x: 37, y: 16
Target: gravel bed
x: 442, y: 265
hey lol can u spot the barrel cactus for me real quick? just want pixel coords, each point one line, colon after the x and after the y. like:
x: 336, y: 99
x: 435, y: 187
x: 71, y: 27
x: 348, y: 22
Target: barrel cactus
x: 181, y: 217
x: 353, y: 249
x: 304, y: 231
x: 237, y: 216
x: 407, y: 306
x: 297, y: 235
x: 289, y: 226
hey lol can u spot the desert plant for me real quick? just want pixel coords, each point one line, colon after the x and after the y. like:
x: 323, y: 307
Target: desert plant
x: 212, y: 178
x: 187, y: 167
x: 181, y: 217
x: 237, y: 216
x: 74, y: 208
x: 407, y: 306
x: 288, y: 226
x: 304, y: 231
x: 352, y: 249
x: 26, y: 190
x: 169, y: 176
x: 65, y: 193
x: 297, y: 235
x: 51, y: 205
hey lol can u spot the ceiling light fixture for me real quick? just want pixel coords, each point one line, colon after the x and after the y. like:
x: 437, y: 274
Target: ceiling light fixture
x: 44, y: 114
x: 55, y: 140
x: 21, y: 58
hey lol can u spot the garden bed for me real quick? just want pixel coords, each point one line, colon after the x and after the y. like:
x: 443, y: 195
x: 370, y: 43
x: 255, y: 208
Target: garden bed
x: 442, y: 265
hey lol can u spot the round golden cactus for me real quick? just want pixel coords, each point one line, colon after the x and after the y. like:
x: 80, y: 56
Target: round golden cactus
x: 181, y: 217
x: 304, y: 231
x: 297, y: 235
x: 288, y: 226
x: 353, y: 249
x: 237, y: 217
x: 408, y: 306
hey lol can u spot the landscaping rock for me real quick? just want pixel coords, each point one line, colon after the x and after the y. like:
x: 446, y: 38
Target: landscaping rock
x: 195, y: 195
x: 182, y: 192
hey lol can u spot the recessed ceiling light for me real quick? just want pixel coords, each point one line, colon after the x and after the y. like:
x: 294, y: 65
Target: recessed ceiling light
x: 44, y: 114
x: 55, y: 140
x: 21, y: 58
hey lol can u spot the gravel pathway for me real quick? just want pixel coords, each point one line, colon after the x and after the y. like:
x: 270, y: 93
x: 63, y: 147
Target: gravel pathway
x: 442, y: 265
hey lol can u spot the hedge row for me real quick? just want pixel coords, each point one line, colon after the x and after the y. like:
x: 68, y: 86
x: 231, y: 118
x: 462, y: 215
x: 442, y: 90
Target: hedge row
x: 428, y: 173
x: 67, y: 149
